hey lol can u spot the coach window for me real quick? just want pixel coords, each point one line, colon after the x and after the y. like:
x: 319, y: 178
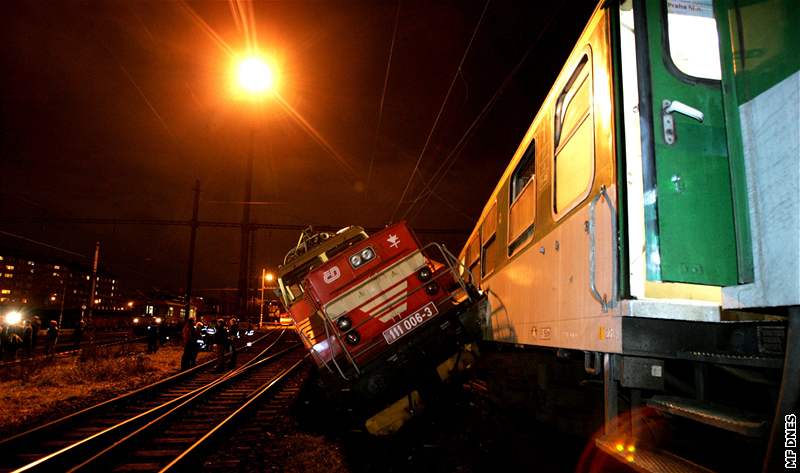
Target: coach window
x: 693, y: 38
x: 474, y: 258
x: 574, y: 140
x: 522, y: 198
x: 489, y: 248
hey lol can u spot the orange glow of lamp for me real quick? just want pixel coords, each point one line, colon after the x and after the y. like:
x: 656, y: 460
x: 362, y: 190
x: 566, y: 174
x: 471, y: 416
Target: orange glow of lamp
x: 255, y: 76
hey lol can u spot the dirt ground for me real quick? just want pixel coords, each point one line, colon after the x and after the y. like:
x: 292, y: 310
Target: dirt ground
x: 34, y: 395
x: 464, y: 431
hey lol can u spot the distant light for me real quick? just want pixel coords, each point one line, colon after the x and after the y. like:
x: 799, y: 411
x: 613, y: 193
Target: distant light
x: 255, y: 76
x: 52, y: 298
x: 631, y: 448
x: 130, y: 304
x: 269, y: 277
x: 167, y: 338
x: 136, y: 320
x: 14, y: 317
x: 629, y: 458
x: 249, y: 344
x: 620, y: 447
x: 158, y: 320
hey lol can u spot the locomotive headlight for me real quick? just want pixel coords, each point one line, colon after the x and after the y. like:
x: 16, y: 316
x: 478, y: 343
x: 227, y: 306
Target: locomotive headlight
x: 344, y: 323
x: 352, y: 338
x: 424, y: 274
x: 432, y: 288
x: 367, y: 254
x: 364, y: 256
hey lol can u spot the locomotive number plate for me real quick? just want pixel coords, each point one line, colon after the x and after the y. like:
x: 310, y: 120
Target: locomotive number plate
x: 398, y: 330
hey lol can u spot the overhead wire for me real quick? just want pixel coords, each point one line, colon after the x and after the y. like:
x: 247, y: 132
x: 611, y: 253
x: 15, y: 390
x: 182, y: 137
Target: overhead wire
x: 383, y: 98
x: 452, y: 157
x: 441, y: 109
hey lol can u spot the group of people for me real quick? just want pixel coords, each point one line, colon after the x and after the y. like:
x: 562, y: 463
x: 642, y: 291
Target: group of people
x: 22, y: 338
x: 223, y: 340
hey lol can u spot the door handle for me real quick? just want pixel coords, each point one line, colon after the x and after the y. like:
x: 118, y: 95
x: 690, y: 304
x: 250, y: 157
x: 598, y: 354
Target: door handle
x: 668, y: 107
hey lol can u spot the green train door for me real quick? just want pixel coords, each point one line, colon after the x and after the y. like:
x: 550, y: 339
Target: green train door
x: 697, y: 239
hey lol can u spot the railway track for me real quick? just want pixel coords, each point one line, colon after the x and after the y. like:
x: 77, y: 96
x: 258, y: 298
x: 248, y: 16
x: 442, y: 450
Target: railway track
x: 148, y: 428
x: 67, y: 350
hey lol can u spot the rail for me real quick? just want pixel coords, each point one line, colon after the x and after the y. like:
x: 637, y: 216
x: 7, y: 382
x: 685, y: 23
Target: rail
x: 153, y: 387
x: 58, y: 459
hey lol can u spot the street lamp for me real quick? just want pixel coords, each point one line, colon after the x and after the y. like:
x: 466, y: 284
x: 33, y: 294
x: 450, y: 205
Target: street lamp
x: 14, y: 317
x: 265, y: 278
x: 255, y: 77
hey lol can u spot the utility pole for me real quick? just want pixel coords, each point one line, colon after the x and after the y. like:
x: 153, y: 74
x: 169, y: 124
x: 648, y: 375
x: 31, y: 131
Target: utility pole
x: 187, y: 298
x: 244, y: 250
x: 63, y: 298
x: 88, y: 324
x: 263, y: 283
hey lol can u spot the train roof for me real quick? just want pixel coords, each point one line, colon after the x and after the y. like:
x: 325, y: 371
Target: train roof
x: 324, y: 246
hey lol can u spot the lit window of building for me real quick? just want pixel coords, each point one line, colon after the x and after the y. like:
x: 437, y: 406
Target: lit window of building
x: 9, y: 267
x: 56, y: 267
x: 9, y: 275
x: 5, y: 291
x: 88, y: 278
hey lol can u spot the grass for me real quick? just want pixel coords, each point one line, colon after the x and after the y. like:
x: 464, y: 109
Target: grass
x: 36, y: 395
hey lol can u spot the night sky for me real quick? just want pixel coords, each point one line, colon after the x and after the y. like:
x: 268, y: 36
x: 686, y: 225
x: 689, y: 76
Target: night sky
x: 112, y: 109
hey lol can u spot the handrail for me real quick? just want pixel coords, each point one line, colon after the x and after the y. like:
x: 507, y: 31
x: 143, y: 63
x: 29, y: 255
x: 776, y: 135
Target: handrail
x: 605, y: 303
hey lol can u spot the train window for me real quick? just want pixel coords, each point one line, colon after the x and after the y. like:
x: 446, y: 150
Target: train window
x: 693, y: 38
x: 522, y: 210
x: 574, y: 140
x: 488, y: 248
x: 473, y: 257
x: 523, y: 174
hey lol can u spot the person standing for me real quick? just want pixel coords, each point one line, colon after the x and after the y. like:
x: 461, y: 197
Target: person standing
x: 27, y: 339
x: 77, y: 335
x: 221, y: 343
x: 13, y: 341
x: 52, y: 338
x: 152, y: 337
x: 189, y: 344
x: 233, y: 335
x: 36, y: 325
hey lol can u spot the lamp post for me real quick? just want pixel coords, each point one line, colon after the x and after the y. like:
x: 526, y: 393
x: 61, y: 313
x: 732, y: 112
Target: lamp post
x: 255, y: 79
x: 265, y: 278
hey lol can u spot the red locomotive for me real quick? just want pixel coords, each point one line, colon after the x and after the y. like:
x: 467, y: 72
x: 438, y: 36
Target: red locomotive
x: 379, y: 313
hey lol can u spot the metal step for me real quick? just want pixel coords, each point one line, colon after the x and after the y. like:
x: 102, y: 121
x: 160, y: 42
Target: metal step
x: 647, y: 460
x: 716, y: 415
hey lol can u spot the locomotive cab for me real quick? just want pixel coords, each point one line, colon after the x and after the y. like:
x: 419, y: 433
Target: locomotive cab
x: 381, y: 314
